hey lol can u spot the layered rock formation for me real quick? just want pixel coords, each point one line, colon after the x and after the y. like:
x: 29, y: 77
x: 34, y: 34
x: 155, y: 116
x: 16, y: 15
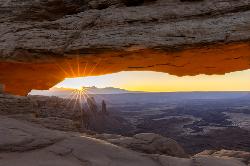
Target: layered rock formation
x: 58, y: 113
x: 51, y: 112
x: 147, y: 143
x: 47, y: 41
x: 25, y: 144
x: 10, y: 105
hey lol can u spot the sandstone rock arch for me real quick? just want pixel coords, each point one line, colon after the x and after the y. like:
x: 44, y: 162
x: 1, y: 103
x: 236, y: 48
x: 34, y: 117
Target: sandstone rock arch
x: 42, y: 42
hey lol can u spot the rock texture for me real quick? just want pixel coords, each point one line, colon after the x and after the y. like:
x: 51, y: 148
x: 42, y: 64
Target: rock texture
x: 50, y: 112
x: 58, y: 113
x: 147, y: 143
x: 25, y: 144
x: 51, y: 40
x: 15, y: 105
x: 241, y: 155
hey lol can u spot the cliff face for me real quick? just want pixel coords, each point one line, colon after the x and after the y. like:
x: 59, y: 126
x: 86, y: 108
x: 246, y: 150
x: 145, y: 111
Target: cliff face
x: 60, y: 114
x: 42, y: 42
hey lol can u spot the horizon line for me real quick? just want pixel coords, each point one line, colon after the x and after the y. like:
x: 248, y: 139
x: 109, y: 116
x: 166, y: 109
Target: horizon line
x: 138, y: 91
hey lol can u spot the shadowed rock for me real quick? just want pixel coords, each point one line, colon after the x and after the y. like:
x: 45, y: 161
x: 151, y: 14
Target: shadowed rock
x: 146, y: 143
x: 40, y: 38
x: 25, y: 144
x: 104, y: 108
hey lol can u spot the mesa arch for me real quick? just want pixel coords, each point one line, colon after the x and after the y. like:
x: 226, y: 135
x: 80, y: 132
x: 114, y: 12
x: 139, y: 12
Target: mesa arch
x: 41, y: 42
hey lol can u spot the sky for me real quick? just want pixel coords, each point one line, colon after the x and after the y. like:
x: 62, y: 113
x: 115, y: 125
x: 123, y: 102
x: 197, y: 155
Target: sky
x: 162, y: 82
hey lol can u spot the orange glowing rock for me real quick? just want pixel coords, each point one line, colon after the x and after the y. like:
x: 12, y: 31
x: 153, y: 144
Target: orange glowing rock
x: 21, y: 77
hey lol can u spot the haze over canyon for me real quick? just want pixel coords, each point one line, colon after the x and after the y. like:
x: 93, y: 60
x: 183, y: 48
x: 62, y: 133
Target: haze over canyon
x: 124, y: 82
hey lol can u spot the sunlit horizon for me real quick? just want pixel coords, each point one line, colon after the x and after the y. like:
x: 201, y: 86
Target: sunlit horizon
x: 149, y: 81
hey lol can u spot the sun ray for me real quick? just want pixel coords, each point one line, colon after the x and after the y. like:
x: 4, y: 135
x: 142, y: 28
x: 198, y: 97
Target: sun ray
x: 64, y: 71
x: 79, y: 97
x: 85, y: 69
x: 71, y: 69
x: 78, y: 66
x: 72, y: 97
x: 98, y: 96
x: 76, y: 100
x: 94, y: 67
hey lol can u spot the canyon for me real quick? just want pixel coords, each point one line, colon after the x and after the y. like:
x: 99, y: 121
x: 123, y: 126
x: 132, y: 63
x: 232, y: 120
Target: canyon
x: 42, y: 42
x: 38, y: 130
x: 25, y: 144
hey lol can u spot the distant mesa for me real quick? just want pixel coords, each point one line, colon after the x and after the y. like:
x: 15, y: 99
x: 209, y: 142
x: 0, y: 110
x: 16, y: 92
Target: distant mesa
x: 65, y: 92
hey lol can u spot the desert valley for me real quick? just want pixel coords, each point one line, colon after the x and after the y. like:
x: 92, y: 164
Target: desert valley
x: 124, y: 83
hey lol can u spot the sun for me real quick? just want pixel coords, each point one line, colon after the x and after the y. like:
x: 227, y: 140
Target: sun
x: 78, y: 96
x: 81, y: 89
x: 81, y: 92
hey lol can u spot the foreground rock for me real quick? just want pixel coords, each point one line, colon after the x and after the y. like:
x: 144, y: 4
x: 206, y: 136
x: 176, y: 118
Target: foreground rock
x: 47, y: 40
x: 241, y: 155
x: 25, y: 144
x: 146, y: 143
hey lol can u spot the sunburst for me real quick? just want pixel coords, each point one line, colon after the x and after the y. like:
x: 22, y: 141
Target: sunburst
x: 77, y: 69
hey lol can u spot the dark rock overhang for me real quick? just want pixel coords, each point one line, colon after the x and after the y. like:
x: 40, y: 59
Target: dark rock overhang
x: 42, y: 42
